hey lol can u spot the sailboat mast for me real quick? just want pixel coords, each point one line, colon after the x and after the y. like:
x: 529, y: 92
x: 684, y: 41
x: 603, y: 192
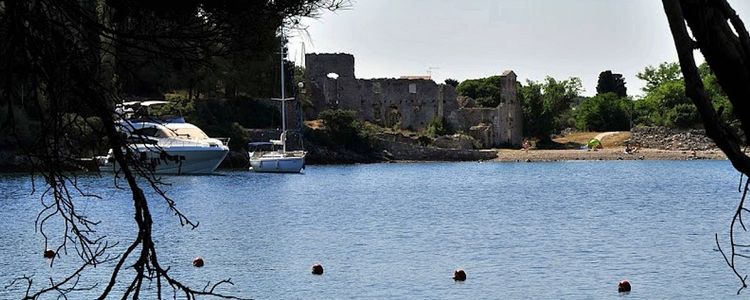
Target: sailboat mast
x: 283, y: 96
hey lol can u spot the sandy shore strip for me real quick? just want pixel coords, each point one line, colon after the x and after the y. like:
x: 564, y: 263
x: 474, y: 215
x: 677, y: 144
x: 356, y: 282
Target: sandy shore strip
x: 605, y: 154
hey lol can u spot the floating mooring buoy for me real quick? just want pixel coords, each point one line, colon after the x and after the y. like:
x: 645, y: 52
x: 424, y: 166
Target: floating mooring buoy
x: 317, y: 269
x: 198, y: 262
x: 459, y: 275
x: 623, y: 286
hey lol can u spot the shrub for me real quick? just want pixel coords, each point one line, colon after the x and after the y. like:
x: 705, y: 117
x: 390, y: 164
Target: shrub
x: 438, y: 126
x: 344, y: 131
x: 684, y: 116
x: 604, y: 112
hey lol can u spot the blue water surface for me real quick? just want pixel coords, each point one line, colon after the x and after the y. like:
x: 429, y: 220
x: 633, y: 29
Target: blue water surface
x: 558, y: 230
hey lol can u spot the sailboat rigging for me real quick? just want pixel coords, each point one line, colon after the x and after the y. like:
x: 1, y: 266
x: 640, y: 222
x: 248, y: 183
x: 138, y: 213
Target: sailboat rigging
x: 277, y: 161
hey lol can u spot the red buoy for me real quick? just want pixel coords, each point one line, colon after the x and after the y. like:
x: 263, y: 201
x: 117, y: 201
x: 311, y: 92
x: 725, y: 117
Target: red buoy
x: 317, y: 269
x: 459, y: 275
x: 623, y: 286
x: 198, y: 262
x: 49, y: 253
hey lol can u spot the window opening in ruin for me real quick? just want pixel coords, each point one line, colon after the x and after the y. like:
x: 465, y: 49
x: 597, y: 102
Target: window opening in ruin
x: 412, y: 88
x: 376, y: 88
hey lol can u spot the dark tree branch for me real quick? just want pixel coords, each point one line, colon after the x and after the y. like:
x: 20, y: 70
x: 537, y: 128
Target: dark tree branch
x: 728, y: 55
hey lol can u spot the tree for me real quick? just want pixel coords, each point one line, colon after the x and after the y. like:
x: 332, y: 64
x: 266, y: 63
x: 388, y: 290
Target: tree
x: 63, y: 62
x: 721, y: 36
x: 544, y: 103
x: 656, y: 76
x: 452, y: 82
x: 611, y: 83
x: 665, y: 103
x: 658, y: 107
x: 604, y: 112
x: 486, y: 91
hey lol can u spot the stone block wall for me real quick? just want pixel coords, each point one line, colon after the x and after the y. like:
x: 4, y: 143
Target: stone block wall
x: 400, y: 103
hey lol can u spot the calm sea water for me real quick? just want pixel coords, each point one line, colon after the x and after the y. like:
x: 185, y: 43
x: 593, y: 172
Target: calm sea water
x: 563, y: 230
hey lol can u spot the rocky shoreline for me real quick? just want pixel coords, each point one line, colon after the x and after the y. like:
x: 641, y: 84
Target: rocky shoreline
x: 657, y: 143
x: 510, y: 155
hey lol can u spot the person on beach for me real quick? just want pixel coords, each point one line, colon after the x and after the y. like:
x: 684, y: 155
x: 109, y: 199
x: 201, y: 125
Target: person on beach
x: 630, y: 150
x: 526, y: 145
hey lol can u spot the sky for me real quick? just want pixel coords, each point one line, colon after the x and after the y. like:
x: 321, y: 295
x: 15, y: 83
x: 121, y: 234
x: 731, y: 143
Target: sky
x: 467, y: 39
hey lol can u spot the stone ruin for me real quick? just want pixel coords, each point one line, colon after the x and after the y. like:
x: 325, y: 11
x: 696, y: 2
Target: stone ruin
x: 410, y: 103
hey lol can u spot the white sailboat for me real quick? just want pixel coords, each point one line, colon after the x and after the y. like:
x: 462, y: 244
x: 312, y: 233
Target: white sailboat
x: 276, y: 161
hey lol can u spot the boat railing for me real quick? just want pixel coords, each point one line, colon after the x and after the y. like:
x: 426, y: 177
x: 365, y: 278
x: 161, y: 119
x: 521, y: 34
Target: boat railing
x: 157, y: 145
x: 224, y: 140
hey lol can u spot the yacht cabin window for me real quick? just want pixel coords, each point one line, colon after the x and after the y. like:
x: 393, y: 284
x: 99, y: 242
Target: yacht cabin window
x: 190, y: 133
x: 153, y: 132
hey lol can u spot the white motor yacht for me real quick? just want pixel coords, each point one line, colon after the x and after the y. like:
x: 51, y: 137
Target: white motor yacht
x: 170, y: 148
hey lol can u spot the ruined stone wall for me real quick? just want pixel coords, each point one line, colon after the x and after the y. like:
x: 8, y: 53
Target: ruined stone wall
x: 401, y: 103
x: 325, y: 92
x: 409, y: 103
x: 493, y: 127
x: 511, y: 112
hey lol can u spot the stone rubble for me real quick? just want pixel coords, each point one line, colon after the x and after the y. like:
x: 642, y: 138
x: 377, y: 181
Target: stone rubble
x: 672, y: 139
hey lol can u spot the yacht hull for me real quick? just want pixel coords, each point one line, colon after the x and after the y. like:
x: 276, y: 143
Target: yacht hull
x: 198, y: 160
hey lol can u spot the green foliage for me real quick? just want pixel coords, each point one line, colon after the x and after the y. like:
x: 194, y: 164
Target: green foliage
x: 656, y: 76
x: 344, y: 131
x: 611, y: 83
x: 716, y: 93
x: 486, y: 91
x: 438, y: 126
x: 604, y: 112
x: 249, y: 113
x: 546, y: 105
x: 452, y: 82
x: 536, y: 121
x: 339, y: 121
x: 242, y: 62
x: 684, y: 115
x: 655, y: 108
x: 665, y: 102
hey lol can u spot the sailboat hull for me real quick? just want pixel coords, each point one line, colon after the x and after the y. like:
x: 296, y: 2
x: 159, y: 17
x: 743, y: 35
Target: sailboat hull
x: 277, y: 163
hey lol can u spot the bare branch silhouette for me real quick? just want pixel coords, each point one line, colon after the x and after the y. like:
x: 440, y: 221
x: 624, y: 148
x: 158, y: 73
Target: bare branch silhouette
x: 60, y: 61
x: 717, y: 31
